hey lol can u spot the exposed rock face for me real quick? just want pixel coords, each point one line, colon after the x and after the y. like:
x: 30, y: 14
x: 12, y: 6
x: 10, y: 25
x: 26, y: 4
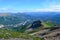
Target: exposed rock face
x: 49, y: 34
x: 36, y: 24
x: 53, y: 35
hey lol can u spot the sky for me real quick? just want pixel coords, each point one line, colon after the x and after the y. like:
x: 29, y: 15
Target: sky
x: 29, y: 5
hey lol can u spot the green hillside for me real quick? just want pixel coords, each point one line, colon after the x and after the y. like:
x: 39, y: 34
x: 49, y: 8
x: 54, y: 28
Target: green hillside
x: 12, y: 34
x: 44, y: 25
x: 48, y: 24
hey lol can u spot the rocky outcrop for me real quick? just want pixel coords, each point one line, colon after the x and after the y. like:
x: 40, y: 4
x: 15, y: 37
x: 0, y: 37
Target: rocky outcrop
x: 49, y: 34
x: 36, y: 24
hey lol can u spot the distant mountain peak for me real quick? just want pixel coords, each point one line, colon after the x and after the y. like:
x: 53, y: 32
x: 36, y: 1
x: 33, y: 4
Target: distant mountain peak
x: 4, y: 14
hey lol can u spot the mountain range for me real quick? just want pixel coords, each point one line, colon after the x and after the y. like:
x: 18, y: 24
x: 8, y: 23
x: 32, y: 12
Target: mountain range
x: 12, y: 20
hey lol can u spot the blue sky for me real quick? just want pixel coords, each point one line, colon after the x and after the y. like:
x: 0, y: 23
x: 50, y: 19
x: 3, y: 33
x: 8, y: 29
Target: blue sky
x: 29, y: 5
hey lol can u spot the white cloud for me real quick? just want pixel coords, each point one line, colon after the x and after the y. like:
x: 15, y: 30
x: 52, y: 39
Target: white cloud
x: 51, y: 8
x: 6, y: 9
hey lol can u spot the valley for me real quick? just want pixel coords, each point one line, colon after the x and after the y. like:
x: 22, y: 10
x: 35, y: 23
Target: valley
x: 29, y: 26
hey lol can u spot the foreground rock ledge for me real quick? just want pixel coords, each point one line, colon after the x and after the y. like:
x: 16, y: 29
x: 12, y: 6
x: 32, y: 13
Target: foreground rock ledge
x: 15, y: 39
